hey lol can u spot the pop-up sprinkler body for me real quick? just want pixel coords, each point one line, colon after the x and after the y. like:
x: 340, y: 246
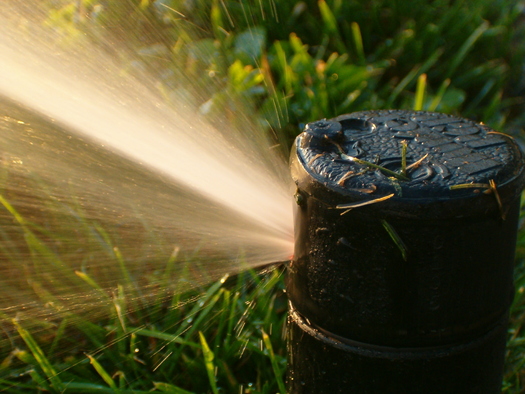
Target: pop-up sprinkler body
x: 405, y: 236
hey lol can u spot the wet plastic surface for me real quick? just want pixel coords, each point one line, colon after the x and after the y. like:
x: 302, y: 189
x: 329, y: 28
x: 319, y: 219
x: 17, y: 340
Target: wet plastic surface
x: 324, y: 364
x: 451, y: 150
x: 405, y: 237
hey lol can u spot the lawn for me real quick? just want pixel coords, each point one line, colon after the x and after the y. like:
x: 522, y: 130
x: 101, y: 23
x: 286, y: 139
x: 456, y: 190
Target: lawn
x: 127, y: 327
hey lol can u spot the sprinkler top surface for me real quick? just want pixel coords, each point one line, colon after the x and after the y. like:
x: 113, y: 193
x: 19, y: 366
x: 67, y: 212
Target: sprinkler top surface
x: 405, y: 227
x: 414, y: 155
x: 405, y: 233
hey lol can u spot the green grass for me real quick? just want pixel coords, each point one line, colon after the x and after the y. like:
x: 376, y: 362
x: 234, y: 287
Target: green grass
x: 217, y: 341
x: 283, y: 64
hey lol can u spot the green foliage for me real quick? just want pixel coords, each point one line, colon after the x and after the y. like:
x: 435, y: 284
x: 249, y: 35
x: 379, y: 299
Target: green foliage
x: 285, y: 63
x: 76, y: 334
x: 125, y: 341
x: 295, y: 62
x: 343, y: 56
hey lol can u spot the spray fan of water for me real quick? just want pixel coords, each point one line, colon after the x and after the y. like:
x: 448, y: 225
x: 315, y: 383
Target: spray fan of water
x: 102, y: 180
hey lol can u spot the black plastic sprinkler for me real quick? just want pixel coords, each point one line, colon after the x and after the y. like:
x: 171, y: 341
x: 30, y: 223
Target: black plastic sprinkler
x: 405, y: 236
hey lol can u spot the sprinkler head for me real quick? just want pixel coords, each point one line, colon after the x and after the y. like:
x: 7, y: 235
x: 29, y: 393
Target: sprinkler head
x: 405, y: 236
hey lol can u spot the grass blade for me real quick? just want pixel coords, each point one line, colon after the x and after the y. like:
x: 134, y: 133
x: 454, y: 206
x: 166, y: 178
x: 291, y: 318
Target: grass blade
x: 420, y: 92
x: 40, y: 357
x: 413, y: 74
x: 439, y: 95
x: 358, y: 40
x: 396, y: 238
x: 328, y: 17
x: 359, y: 204
x: 275, y: 366
x: 91, y: 282
x: 208, y: 362
x: 102, y: 373
x: 330, y: 22
x: 466, y: 47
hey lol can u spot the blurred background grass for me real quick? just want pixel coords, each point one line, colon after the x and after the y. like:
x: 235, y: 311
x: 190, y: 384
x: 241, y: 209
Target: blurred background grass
x: 280, y: 64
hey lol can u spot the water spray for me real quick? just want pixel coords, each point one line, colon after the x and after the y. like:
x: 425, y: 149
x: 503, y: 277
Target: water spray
x: 405, y: 233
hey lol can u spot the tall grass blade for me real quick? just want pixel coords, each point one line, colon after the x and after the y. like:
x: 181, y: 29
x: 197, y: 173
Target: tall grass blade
x: 275, y: 365
x: 41, y: 381
x: 91, y: 282
x: 208, y: 363
x: 37, y: 247
x: 170, y: 338
x: 102, y: 373
x: 465, y: 48
x: 413, y: 74
x: 439, y: 95
x: 60, y: 333
x: 328, y: 17
x: 330, y: 22
x: 420, y: 92
x: 40, y: 357
x: 211, y: 294
x: 358, y: 40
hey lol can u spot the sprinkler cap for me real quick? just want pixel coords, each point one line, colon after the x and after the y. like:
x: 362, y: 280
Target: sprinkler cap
x: 421, y: 158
